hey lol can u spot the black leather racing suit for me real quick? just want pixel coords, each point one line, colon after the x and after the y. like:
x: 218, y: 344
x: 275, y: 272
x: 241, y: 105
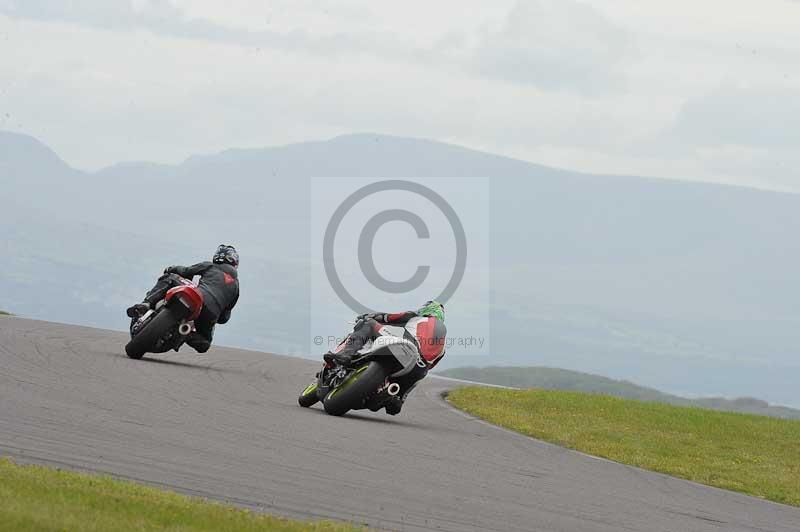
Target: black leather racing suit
x: 219, y: 284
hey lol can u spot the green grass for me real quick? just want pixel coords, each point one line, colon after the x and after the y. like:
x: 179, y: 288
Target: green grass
x: 4, y: 313
x: 751, y: 454
x: 35, y: 498
x: 576, y: 381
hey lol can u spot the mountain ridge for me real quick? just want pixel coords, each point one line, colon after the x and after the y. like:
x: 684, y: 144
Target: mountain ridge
x: 256, y: 154
x: 26, y: 155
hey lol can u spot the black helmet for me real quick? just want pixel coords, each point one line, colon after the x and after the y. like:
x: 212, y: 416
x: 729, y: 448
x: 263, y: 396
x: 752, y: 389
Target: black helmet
x: 226, y: 255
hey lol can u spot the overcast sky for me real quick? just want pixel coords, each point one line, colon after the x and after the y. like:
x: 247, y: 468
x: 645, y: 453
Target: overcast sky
x: 706, y: 89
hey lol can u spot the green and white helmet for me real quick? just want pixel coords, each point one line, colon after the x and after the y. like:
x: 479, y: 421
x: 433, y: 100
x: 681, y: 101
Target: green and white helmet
x: 432, y: 308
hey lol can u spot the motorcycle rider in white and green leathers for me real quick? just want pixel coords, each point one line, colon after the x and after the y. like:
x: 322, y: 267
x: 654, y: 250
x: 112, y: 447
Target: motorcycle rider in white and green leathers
x: 424, y: 327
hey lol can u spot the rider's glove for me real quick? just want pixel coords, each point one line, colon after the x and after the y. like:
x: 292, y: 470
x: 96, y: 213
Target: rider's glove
x: 377, y: 316
x: 170, y: 269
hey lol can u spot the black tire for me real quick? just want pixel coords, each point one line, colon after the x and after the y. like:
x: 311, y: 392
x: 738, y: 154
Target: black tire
x: 152, y: 332
x: 309, y: 396
x: 352, y: 393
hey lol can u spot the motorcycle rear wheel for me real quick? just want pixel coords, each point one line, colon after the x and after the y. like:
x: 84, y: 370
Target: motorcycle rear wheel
x: 354, y: 391
x: 152, y: 332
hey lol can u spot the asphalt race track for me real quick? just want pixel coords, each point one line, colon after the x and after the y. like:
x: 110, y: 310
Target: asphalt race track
x: 226, y: 425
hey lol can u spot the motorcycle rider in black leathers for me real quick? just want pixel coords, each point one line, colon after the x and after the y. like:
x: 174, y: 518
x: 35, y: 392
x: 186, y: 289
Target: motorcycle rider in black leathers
x: 219, y: 284
x: 424, y: 327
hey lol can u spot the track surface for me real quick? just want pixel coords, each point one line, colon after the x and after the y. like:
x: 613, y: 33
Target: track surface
x: 226, y: 425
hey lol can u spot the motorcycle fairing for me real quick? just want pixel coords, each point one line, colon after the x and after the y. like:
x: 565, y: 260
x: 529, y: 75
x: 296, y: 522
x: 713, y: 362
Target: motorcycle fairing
x: 189, y: 296
x: 387, y: 344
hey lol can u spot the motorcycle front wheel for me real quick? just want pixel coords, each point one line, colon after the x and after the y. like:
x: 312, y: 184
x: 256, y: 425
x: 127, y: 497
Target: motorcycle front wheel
x: 309, y: 396
x: 353, y: 392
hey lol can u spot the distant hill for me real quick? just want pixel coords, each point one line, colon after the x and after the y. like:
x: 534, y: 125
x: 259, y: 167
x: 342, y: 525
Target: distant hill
x: 562, y: 379
x: 25, y: 161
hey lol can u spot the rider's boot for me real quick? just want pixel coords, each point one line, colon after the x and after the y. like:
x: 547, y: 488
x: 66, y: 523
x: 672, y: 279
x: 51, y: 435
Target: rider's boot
x: 198, y: 342
x: 343, y: 357
x: 393, y: 405
x: 137, y: 310
x: 348, y: 352
x: 362, y: 332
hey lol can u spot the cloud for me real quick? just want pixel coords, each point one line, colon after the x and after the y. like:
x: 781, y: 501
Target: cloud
x: 164, y: 18
x: 749, y: 134
x: 555, y: 45
x: 552, y: 44
x: 759, y: 117
x: 96, y: 13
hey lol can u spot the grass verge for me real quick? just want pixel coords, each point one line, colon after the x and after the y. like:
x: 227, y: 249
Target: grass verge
x: 39, y: 498
x: 756, y: 455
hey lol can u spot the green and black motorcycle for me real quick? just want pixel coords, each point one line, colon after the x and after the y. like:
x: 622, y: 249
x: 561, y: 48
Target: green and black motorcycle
x: 369, y: 380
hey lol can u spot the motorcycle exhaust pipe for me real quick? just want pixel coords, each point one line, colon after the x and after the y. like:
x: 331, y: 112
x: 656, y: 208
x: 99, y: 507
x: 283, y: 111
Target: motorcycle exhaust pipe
x: 393, y: 389
x: 184, y: 329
